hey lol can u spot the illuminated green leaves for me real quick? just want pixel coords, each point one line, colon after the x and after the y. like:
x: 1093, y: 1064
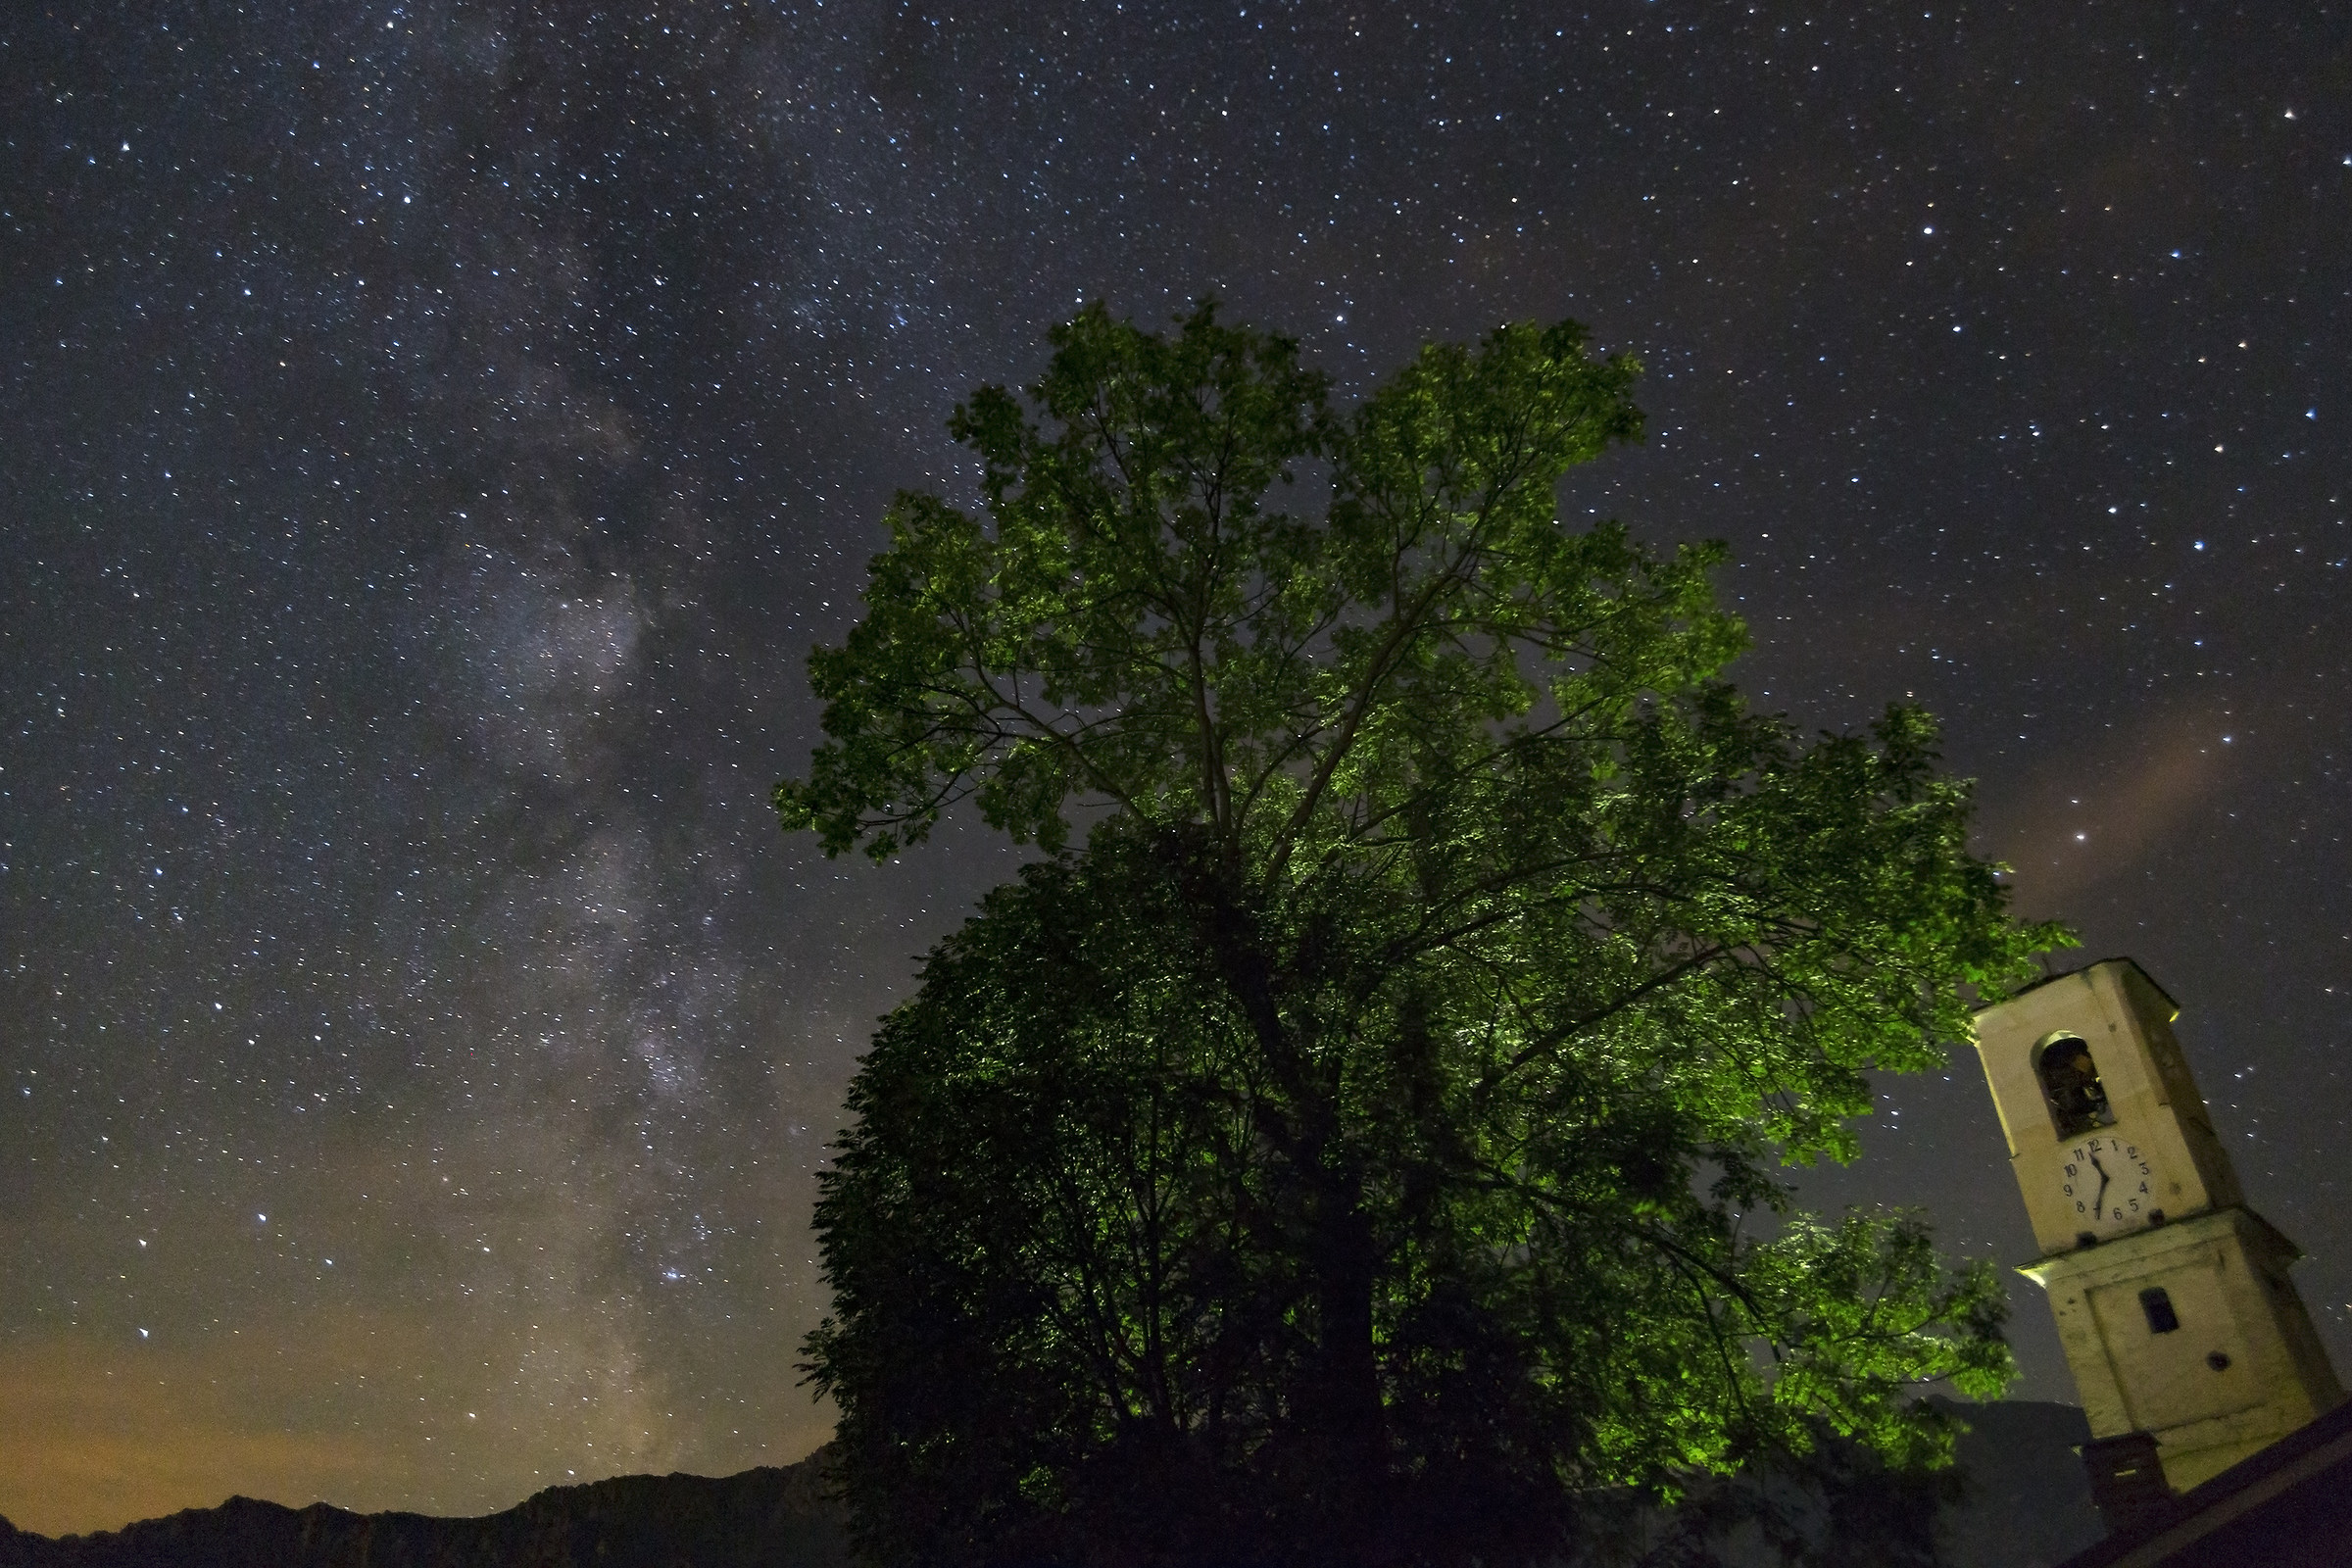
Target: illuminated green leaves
x: 1362, y: 1145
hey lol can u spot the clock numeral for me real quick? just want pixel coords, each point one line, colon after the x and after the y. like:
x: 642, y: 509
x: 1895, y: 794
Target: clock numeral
x: 2143, y: 1187
x: 2134, y: 1205
x: 2081, y: 1207
x: 2070, y: 1189
x: 2130, y: 1151
x: 2143, y: 1167
x: 2069, y: 1170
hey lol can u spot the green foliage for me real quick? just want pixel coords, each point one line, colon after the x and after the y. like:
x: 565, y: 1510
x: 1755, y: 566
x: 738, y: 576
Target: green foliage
x: 1351, y: 1151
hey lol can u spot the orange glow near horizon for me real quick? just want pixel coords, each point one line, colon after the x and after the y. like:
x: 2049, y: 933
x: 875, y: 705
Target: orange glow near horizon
x: 96, y: 1438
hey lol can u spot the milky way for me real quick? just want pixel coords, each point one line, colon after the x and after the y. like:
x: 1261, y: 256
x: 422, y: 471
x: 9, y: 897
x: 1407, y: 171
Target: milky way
x: 431, y: 438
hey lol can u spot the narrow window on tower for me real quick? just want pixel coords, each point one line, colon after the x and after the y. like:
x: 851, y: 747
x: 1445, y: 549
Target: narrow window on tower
x: 2162, y: 1319
x: 2070, y: 1082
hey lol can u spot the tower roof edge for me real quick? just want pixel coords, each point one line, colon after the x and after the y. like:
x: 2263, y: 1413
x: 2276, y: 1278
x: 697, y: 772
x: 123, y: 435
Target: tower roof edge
x: 2100, y: 963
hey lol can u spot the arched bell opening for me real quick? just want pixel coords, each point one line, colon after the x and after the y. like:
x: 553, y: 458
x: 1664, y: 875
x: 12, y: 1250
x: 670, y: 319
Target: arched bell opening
x: 2070, y: 1083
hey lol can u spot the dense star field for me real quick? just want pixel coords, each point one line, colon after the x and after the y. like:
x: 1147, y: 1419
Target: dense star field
x: 432, y: 437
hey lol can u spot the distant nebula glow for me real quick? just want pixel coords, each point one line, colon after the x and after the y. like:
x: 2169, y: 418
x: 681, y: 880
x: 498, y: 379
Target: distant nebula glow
x: 434, y: 437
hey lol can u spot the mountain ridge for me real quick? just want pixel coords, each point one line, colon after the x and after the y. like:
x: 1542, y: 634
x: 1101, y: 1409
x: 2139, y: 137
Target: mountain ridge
x: 764, y: 1517
x: 2025, y: 1505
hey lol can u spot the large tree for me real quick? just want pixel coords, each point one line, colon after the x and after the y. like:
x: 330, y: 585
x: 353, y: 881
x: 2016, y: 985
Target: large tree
x: 1361, y: 1142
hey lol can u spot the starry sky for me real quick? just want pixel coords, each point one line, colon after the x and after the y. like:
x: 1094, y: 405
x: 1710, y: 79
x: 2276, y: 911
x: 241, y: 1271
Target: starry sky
x: 432, y: 436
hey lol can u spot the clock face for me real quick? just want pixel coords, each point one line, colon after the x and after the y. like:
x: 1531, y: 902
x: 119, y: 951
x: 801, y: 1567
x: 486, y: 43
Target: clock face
x: 2108, y: 1183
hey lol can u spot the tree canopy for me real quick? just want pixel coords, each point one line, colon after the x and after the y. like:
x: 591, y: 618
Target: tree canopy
x: 1360, y: 1143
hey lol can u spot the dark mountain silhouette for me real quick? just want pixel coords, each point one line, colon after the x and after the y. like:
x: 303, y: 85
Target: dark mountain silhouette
x: 762, y: 1518
x: 2026, y: 1498
x: 2022, y: 1503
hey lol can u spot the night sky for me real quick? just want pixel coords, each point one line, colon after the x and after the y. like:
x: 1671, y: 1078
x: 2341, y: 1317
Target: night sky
x: 432, y: 437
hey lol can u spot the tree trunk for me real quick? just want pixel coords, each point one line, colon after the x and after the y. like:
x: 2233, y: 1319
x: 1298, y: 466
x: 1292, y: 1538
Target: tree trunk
x: 1348, y: 1428
x: 1336, y: 1452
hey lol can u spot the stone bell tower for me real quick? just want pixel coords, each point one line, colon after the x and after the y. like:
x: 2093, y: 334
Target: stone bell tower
x: 2189, y: 1343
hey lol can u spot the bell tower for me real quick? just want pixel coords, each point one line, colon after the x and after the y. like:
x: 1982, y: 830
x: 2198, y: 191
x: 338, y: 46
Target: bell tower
x: 2171, y: 1297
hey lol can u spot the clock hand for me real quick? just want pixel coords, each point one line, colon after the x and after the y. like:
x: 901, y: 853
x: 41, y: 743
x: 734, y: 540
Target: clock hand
x: 2098, y: 1204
